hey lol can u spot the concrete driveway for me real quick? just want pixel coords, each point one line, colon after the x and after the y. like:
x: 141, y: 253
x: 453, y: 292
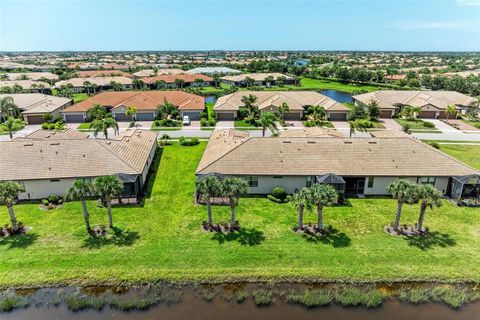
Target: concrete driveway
x: 224, y: 125
x: 391, y: 124
x: 442, y: 126
x: 465, y: 127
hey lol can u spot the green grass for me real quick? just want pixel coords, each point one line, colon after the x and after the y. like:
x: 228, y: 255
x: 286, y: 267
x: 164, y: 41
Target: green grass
x: 476, y: 123
x: 470, y: 154
x: 84, y: 126
x: 3, y: 129
x: 79, y: 97
x: 166, y: 128
x: 162, y: 240
x: 243, y: 124
x: 417, y: 125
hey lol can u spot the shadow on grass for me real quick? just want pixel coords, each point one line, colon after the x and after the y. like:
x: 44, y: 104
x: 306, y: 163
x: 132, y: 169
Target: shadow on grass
x: 245, y: 236
x: 118, y: 238
x: 434, y: 239
x: 19, y: 240
x: 332, y: 237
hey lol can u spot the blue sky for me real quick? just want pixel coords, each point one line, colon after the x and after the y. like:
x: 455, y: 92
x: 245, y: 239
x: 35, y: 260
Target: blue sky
x: 452, y: 25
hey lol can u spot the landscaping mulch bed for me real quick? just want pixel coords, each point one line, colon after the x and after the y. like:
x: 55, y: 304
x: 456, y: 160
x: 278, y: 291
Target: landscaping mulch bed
x: 98, y: 231
x: 312, y: 229
x: 8, y: 231
x: 50, y: 206
x: 221, y: 227
x: 407, y: 230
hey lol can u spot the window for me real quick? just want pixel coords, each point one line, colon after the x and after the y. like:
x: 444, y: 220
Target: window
x: 252, y: 181
x: 370, y: 182
x: 309, y: 182
x: 426, y: 180
x: 277, y: 177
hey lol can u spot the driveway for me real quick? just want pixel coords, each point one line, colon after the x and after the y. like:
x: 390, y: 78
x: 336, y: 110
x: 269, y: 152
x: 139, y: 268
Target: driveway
x: 460, y: 125
x: 224, y: 125
x: 442, y: 126
x: 391, y: 124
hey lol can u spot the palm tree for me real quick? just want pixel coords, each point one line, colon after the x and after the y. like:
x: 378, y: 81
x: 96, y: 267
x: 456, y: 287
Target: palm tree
x: 80, y: 190
x: 300, y: 201
x: 102, y: 125
x: 179, y: 83
x: 450, y: 110
x: 322, y: 195
x: 428, y: 196
x: 208, y: 188
x: 356, y: 126
x: 318, y: 113
x: 11, y: 125
x: 268, y: 120
x: 131, y: 112
x: 8, y: 108
x: 9, y: 191
x: 233, y: 188
x: 249, y: 103
x: 48, y: 117
x: 97, y: 112
x: 87, y: 85
x: 282, y: 110
x: 249, y: 81
x: 107, y: 187
x: 404, y: 191
x: 411, y: 112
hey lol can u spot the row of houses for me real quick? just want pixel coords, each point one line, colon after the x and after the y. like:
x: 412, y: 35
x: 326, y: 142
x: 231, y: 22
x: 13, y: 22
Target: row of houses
x: 359, y: 166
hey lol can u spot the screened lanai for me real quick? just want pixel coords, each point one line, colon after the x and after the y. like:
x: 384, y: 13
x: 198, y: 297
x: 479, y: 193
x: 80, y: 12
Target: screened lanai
x: 466, y: 187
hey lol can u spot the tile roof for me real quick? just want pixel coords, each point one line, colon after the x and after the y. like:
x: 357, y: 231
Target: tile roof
x: 100, y: 81
x: 256, y: 76
x: 101, y: 73
x: 142, y: 100
x: 32, y: 103
x: 32, y: 159
x: 296, y: 100
x: 170, y: 78
x: 151, y: 72
x: 25, y: 84
x: 32, y: 75
x: 342, y: 156
x: 67, y: 134
x: 440, y: 99
x: 310, y: 132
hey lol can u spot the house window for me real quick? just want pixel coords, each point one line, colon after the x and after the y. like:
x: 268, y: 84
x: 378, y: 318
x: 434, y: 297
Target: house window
x: 252, y: 181
x: 370, y: 182
x: 54, y: 180
x: 426, y: 180
x: 277, y: 177
x: 309, y: 182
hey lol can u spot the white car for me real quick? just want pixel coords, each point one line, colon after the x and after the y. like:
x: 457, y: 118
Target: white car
x: 186, y: 120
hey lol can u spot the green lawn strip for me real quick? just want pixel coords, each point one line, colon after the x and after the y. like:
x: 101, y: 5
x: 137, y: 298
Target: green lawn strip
x: 417, y: 125
x: 453, y: 141
x: 84, y: 126
x: 3, y: 129
x: 475, y: 124
x: 317, y: 84
x: 470, y: 154
x: 163, y: 240
x: 79, y: 97
x: 165, y: 128
x: 241, y: 124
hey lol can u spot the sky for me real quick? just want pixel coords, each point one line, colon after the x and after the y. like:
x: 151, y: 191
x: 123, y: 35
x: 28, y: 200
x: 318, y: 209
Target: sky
x: 415, y: 25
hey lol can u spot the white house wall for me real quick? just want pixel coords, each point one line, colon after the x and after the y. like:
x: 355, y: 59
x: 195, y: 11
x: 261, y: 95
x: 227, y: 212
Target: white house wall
x: 41, y: 189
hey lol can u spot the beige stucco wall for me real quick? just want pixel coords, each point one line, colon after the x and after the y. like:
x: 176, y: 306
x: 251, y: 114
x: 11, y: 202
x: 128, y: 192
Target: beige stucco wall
x: 40, y: 189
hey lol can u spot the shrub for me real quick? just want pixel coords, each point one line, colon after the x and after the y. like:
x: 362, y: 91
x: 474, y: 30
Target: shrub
x: 45, y: 125
x: 310, y: 298
x: 212, y: 122
x: 434, y: 144
x: 51, y: 126
x: 156, y: 123
x: 242, y: 113
x: 262, y: 297
x: 364, y: 123
x: 45, y: 202
x: 428, y: 124
x: 203, y: 122
x: 272, y: 198
x: 279, y: 193
x: 309, y: 123
x: 188, y: 142
x: 53, y: 199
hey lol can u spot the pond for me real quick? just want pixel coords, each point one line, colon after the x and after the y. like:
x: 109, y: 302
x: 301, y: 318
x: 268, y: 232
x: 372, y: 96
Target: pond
x: 227, y: 301
x: 336, y: 95
x: 210, y: 99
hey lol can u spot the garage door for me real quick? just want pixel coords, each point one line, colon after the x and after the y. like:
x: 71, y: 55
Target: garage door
x: 338, y: 116
x: 194, y: 115
x: 74, y: 118
x: 225, y: 116
x: 427, y: 114
x: 35, y: 120
x: 145, y: 116
x: 385, y: 114
x: 293, y: 116
x: 122, y: 117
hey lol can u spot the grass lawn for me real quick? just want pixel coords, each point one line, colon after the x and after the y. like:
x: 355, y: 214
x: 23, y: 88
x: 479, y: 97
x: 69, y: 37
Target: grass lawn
x: 3, y: 129
x: 470, y: 154
x: 242, y: 124
x: 317, y: 84
x: 212, y: 90
x: 79, y: 97
x: 162, y: 240
x: 476, y: 124
x: 417, y: 125
x: 84, y: 126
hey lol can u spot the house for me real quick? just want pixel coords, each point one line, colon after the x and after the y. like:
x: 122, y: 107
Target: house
x: 146, y: 103
x: 308, y: 132
x: 34, y: 106
x: 48, y: 163
x: 360, y: 166
x: 26, y: 86
x: 171, y: 81
x: 226, y: 107
x: 96, y: 84
x: 258, y: 79
x: 432, y: 103
x: 158, y: 72
x: 213, y: 71
x: 102, y: 73
x: 35, y: 76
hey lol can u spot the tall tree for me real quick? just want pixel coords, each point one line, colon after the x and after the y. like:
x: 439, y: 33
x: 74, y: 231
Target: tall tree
x: 322, y: 195
x: 282, y: 110
x: 450, y: 110
x: 233, y: 188
x: 318, y: 113
x: 8, y: 108
x: 97, y: 112
x: 268, y: 120
x: 249, y: 103
x: 102, y: 125
x: 108, y: 187
x: 404, y: 192
x: 81, y: 190
x: 428, y: 196
x: 9, y: 191
x: 12, y: 124
x: 208, y: 188
x: 131, y: 112
x: 301, y: 200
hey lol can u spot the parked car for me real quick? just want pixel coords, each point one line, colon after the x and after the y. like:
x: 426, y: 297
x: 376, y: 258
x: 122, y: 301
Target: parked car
x: 186, y: 120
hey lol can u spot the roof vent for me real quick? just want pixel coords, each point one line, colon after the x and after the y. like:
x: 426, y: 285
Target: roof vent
x: 287, y: 141
x: 55, y: 143
x: 311, y: 142
x: 347, y: 142
x: 372, y: 142
x: 28, y: 145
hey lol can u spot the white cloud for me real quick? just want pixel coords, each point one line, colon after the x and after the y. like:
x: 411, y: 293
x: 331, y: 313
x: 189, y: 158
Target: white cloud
x: 475, y: 3
x: 424, y: 25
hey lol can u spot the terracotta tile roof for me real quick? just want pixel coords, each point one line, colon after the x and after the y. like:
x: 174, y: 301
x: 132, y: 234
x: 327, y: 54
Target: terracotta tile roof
x: 25, y: 84
x: 296, y: 100
x: 142, y: 100
x: 100, y: 81
x: 151, y: 72
x: 170, y: 78
x: 343, y: 156
x: 310, y: 132
x: 35, y: 76
x: 256, y: 76
x: 32, y: 159
x: 33, y: 103
x: 101, y: 73
x: 67, y: 134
